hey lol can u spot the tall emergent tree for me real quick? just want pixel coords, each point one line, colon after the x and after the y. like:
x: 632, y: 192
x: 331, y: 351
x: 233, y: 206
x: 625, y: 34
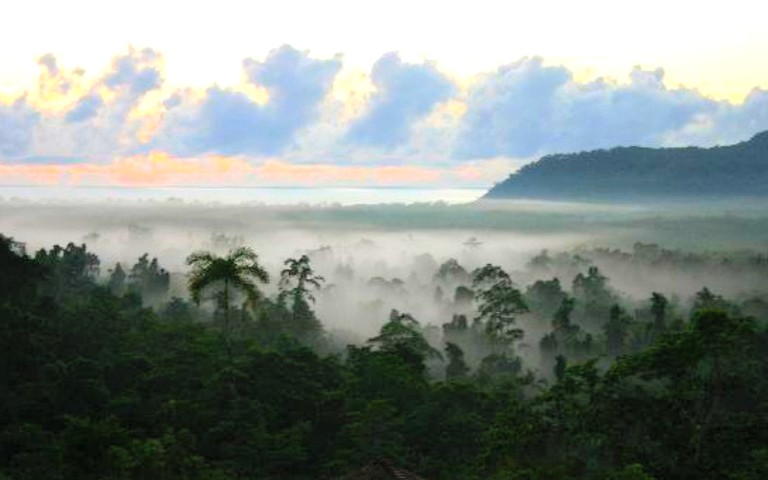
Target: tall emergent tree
x: 149, y: 279
x: 297, y: 281
x: 499, y: 303
x: 402, y: 336
x: 235, y: 273
x: 457, y: 366
x: 659, y: 305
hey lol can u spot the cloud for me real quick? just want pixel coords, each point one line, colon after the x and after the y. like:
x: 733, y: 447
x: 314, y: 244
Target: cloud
x: 294, y: 120
x: 527, y: 108
x: 17, y: 122
x: 228, y: 121
x: 732, y: 123
x: 50, y: 63
x: 404, y: 94
x: 86, y: 108
x: 137, y: 72
x: 100, y: 122
x: 54, y: 83
x: 162, y: 168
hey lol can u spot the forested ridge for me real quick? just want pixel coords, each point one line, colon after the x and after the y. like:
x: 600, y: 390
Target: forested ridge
x: 635, y: 172
x: 105, y: 375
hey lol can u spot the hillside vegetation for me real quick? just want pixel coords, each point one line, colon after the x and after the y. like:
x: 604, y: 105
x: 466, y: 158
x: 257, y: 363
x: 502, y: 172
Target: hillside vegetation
x: 627, y: 172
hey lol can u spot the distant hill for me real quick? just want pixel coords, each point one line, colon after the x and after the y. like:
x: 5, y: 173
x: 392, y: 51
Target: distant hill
x: 633, y: 172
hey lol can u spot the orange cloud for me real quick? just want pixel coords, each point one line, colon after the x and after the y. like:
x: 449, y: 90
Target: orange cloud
x: 161, y: 168
x: 274, y: 171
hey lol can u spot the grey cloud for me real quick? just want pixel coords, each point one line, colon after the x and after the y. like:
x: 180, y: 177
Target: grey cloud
x: 17, y: 123
x: 404, y: 94
x: 137, y: 71
x: 229, y: 122
x: 86, y: 108
x: 528, y: 108
x: 49, y: 62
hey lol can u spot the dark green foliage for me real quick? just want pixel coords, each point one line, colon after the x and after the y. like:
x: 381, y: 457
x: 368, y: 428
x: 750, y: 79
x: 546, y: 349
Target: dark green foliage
x: 147, y: 279
x: 659, y: 305
x: 297, y: 282
x: 544, y: 296
x: 617, y: 331
x: 452, y: 273
x: 227, y: 280
x: 626, y: 172
x: 95, y: 386
x: 69, y: 269
x: 117, y: 280
x: 457, y: 367
x: 499, y: 304
x: 401, y: 336
x: 20, y: 275
x: 707, y: 300
x: 567, y: 339
x: 463, y: 296
x: 594, y: 297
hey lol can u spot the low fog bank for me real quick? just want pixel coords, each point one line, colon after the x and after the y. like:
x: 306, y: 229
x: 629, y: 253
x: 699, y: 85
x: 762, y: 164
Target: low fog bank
x: 417, y: 258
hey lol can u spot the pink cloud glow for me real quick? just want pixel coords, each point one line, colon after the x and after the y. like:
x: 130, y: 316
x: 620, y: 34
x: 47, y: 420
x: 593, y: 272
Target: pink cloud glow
x: 160, y: 168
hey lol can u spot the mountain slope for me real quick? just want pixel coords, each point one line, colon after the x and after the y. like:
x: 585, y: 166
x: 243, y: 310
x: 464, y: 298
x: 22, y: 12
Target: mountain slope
x: 623, y: 172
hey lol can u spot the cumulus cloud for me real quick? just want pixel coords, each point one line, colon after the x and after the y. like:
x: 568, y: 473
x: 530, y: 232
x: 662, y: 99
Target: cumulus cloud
x: 732, y: 123
x: 404, y: 94
x: 229, y: 121
x: 527, y: 108
x: 138, y: 72
x: 99, y: 122
x: 17, y: 123
x: 55, y: 82
x: 288, y: 111
x: 87, y: 107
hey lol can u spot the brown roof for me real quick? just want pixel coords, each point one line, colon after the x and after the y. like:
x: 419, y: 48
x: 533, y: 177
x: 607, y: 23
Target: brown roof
x: 381, y: 470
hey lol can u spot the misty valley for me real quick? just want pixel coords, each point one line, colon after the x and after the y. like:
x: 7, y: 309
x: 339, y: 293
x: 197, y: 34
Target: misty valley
x: 490, y: 340
x: 405, y: 240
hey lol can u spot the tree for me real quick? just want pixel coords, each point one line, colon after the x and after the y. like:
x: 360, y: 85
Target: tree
x: 499, y: 303
x: 237, y: 272
x: 561, y: 320
x: 299, y: 275
x: 560, y: 366
x: 297, y: 282
x: 707, y: 300
x: 117, y: 280
x: 457, y: 367
x: 544, y: 296
x: 541, y: 262
x: 149, y: 279
x: 401, y: 336
x: 71, y: 268
x: 616, y: 331
x: 463, y: 296
x: 452, y: 273
x: 458, y: 324
x: 594, y: 296
x: 18, y: 272
x: 659, y: 305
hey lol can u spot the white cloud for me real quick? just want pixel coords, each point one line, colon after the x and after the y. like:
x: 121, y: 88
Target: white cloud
x: 229, y: 121
x: 527, y: 108
x: 404, y: 94
x: 17, y: 121
x: 415, y: 115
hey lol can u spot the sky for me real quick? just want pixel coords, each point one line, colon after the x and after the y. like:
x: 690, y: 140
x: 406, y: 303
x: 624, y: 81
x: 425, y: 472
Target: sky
x: 307, y: 93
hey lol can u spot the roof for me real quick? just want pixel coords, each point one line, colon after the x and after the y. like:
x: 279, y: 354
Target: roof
x: 381, y: 470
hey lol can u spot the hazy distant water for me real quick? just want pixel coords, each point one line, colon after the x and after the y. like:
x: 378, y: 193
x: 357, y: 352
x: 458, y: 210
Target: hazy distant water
x: 230, y: 195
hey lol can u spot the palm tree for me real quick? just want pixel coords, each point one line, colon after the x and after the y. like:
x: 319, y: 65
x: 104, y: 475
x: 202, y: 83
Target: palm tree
x: 238, y: 271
